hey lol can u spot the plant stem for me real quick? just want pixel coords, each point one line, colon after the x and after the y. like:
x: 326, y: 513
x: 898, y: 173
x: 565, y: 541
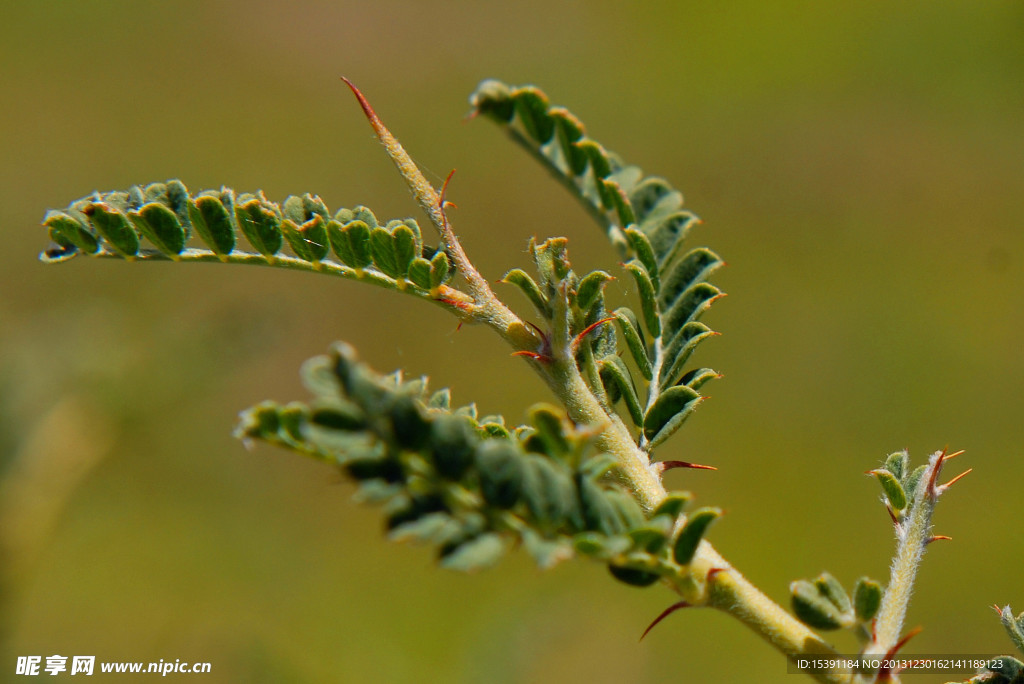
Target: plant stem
x: 487, y: 307
x: 709, y: 579
x: 726, y: 589
x: 913, y: 535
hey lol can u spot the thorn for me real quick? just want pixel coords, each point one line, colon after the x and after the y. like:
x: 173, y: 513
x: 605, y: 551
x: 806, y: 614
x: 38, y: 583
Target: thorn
x: 949, y: 457
x: 458, y: 304
x: 579, y: 338
x: 934, y: 475
x: 537, y: 330
x: 995, y: 607
x: 956, y: 479
x: 668, y: 611
x: 892, y: 515
x: 885, y: 672
x: 367, y: 109
x: 714, y: 571
x: 938, y: 537
x: 669, y: 465
x: 533, y: 355
x: 441, y: 202
x: 459, y: 326
x: 718, y: 296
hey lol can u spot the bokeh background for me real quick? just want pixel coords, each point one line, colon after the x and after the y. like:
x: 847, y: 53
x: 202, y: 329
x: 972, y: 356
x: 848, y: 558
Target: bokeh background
x: 859, y: 165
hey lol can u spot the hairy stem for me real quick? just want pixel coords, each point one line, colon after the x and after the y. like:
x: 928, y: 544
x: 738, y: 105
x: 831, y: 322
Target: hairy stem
x: 327, y: 267
x: 913, y: 534
x: 487, y: 307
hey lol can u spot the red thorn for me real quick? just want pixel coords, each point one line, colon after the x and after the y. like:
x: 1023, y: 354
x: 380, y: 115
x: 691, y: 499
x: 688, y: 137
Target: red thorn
x: 668, y: 611
x: 533, y: 355
x: 938, y: 537
x: 444, y: 188
x: 949, y: 457
x: 464, y: 306
x: 459, y: 326
x: 669, y: 465
x: 537, y: 330
x: 995, y: 607
x: 714, y: 571
x: 891, y: 514
x: 885, y: 673
x: 935, y: 474
x: 579, y: 338
x: 367, y: 109
x: 957, y: 478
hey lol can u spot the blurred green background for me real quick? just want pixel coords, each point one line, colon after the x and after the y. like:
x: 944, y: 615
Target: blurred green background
x: 859, y: 165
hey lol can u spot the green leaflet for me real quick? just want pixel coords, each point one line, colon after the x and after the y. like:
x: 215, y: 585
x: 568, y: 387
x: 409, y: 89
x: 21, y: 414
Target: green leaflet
x: 589, y: 289
x: 419, y: 273
x: 689, y: 306
x: 634, y: 341
x: 67, y: 231
x: 867, y: 597
x: 693, y: 268
x: 893, y: 489
x: 645, y: 254
x: 308, y: 240
x: 160, y: 226
x: 474, y: 554
x: 897, y: 463
x: 672, y: 506
x: 672, y: 407
x: 114, y: 227
x: 500, y: 464
x: 634, y: 576
x: 385, y: 256
x: 823, y: 603
x: 618, y: 383
x: 647, y: 293
x: 679, y: 350
x: 212, y: 221
x: 351, y: 242
x: 696, y: 378
x: 260, y: 222
x: 668, y: 235
x: 529, y: 287
x: 697, y: 524
x: 812, y: 608
x: 440, y: 271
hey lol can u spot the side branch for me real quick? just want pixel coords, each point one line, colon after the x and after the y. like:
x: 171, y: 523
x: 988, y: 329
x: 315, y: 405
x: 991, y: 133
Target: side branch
x: 487, y: 306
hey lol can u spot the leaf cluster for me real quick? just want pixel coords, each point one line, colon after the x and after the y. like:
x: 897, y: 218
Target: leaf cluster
x: 472, y: 485
x: 160, y: 221
x: 644, y: 218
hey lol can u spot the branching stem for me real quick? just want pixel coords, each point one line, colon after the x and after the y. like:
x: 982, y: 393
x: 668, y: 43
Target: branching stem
x: 710, y: 579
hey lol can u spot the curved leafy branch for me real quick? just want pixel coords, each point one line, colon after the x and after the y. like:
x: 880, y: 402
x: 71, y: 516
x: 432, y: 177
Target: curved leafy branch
x: 473, y: 485
x: 643, y: 217
x: 163, y: 221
